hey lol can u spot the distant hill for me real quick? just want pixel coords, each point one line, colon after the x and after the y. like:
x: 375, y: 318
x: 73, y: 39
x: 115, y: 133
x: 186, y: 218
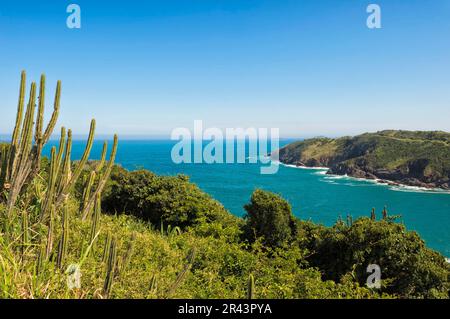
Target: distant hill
x: 416, y: 158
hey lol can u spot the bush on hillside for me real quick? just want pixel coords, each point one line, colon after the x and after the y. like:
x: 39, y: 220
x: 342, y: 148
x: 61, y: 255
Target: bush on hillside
x: 269, y: 216
x: 408, y: 267
x: 172, y: 200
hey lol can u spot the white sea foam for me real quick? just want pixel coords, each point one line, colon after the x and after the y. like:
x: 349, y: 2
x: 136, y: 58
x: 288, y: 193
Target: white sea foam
x: 417, y: 189
x: 305, y: 167
x: 329, y: 178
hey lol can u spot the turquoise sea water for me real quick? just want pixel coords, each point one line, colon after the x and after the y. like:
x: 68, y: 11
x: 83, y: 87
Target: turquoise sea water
x: 312, y: 194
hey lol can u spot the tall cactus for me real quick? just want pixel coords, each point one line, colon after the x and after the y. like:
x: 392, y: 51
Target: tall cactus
x: 6, y: 173
x: 21, y: 162
x: 62, y: 248
x: 62, y: 196
x: 4, y: 150
x: 23, y: 159
x: 349, y: 220
x: 111, y: 268
x: 19, y: 165
x: 128, y: 254
x: 103, y: 158
x: 106, y: 248
x: 102, y: 180
x: 87, y: 190
x: 25, y: 232
x: 40, y: 258
x: 66, y: 169
x: 384, y: 213
x: 62, y: 179
x: 49, y: 243
x: 251, y: 287
x: 372, y: 214
x: 153, y: 285
x: 96, y: 219
x: 189, y: 261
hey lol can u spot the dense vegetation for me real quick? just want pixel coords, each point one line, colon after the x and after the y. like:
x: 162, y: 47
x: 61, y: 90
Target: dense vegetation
x: 414, y: 158
x: 162, y: 237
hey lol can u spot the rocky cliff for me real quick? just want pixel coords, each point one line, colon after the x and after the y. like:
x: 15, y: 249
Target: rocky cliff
x: 415, y: 158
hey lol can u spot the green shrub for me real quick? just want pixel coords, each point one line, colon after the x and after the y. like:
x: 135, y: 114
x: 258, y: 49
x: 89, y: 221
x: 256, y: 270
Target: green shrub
x: 171, y: 200
x: 269, y: 216
x: 408, y: 267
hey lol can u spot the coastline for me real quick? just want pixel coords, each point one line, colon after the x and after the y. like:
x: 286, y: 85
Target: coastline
x: 381, y: 182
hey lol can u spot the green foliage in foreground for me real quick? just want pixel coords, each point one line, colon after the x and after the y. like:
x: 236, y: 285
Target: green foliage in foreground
x: 178, y: 241
x: 340, y: 253
x: 409, y: 269
x: 165, y: 200
x: 220, y: 269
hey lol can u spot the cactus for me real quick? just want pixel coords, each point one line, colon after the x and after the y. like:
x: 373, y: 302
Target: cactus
x: 65, y: 169
x: 95, y: 219
x: 102, y: 181
x: 128, y: 253
x: 6, y: 173
x: 4, y: 150
x: 50, y: 194
x: 62, y: 180
x: 62, y: 196
x: 106, y: 248
x: 372, y: 214
x: 111, y: 268
x: 251, y: 287
x: 25, y: 232
x: 189, y: 261
x: 40, y: 259
x: 62, y: 248
x: 87, y: 190
x: 22, y: 161
x: 103, y: 158
x: 153, y: 285
x: 384, y: 213
x: 49, y: 244
x: 19, y: 165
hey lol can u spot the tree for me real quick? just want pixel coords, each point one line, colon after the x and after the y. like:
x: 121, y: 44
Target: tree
x: 269, y: 216
x: 172, y: 200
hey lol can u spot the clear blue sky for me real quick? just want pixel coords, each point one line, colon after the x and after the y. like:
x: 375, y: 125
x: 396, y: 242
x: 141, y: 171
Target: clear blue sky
x: 308, y: 67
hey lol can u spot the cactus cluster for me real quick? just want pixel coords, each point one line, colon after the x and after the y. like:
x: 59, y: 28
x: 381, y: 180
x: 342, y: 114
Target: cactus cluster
x: 21, y: 161
x: 45, y: 228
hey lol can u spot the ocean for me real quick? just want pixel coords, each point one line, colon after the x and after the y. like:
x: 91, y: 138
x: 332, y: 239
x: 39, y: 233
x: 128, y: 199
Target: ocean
x: 312, y: 194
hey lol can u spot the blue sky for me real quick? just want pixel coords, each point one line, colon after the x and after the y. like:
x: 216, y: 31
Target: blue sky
x: 308, y: 67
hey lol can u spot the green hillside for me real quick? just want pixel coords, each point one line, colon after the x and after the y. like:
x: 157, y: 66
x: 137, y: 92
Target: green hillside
x: 416, y: 158
x: 81, y: 229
